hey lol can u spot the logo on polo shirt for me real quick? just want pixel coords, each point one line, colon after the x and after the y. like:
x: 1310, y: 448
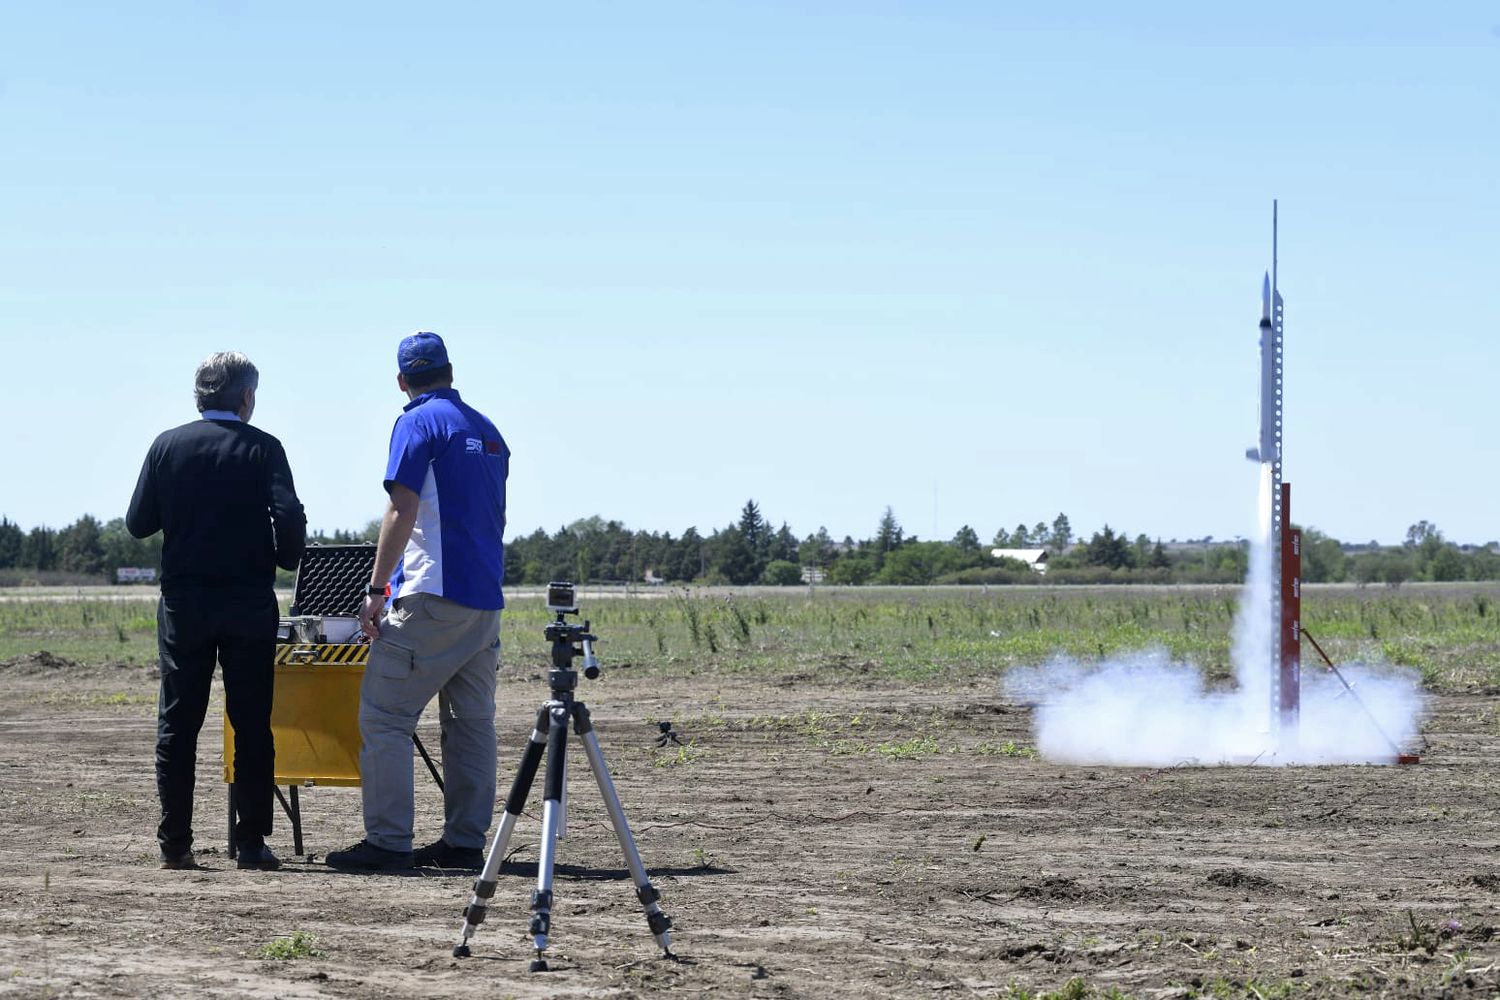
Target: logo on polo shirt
x: 474, y: 446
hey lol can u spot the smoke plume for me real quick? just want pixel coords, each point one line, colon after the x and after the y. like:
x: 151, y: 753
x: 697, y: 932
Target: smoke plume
x: 1144, y: 709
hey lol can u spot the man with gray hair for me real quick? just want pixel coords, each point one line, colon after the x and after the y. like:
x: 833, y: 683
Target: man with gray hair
x: 221, y: 493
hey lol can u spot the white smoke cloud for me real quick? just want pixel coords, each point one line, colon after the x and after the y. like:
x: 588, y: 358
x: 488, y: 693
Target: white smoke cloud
x: 1144, y: 709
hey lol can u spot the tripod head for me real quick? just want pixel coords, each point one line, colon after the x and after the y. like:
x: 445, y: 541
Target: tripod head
x: 568, y: 640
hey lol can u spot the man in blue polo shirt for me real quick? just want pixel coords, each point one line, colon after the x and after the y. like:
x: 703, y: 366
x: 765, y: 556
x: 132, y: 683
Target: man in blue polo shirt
x: 440, y: 549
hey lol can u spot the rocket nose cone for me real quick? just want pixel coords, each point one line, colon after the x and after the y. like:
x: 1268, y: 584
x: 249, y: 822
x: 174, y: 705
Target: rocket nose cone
x: 1265, y: 297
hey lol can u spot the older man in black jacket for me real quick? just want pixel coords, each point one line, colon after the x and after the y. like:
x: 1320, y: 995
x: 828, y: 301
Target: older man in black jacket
x: 221, y: 492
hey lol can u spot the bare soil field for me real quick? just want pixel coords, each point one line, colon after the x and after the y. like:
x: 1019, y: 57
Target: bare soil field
x: 824, y: 834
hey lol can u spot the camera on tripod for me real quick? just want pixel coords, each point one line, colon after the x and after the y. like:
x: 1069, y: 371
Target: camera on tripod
x: 550, y: 735
x: 562, y: 597
x: 568, y: 640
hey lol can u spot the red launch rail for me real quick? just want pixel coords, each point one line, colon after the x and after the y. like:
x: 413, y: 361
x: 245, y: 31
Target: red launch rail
x: 1290, y: 707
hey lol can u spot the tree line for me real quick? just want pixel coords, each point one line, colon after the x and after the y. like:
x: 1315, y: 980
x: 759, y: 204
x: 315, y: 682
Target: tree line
x: 84, y: 548
x: 752, y: 550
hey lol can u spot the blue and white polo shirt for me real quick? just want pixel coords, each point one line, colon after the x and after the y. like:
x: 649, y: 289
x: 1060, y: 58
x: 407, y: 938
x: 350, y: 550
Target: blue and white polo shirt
x: 451, y: 456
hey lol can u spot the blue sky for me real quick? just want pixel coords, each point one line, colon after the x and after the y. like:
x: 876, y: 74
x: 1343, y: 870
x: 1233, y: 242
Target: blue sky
x: 979, y: 262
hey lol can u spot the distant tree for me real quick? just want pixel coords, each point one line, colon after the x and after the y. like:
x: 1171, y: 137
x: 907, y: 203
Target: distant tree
x: 781, y: 573
x: 916, y: 563
x: 11, y: 540
x: 586, y: 528
x: 1387, y: 566
x: 1108, y: 549
x: 731, y: 556
x: 1141, y: 550
x: 966, y: 540
x: 1484, y: 564
x: 888, y: 535
x: 757, y: 535
x: 1323, y: 559
x: 1001, y: 540
x: 1159, y: 558
x: 1021, y: 537
x: 525, y: 558
x: 853, y: 568
x: 120, y: 548
x: 78, y: 547
x: 753, y: 526
x: 1421, y: 533
x: 1062, y: 533
x: 816, y: 549
x: 783, y: 545
x: 1040, y: 533
x: 39, y: 549
x: 1447, y: 563
x: 1395, y: 570
x: 1227, y: 562
x: 686, y: 559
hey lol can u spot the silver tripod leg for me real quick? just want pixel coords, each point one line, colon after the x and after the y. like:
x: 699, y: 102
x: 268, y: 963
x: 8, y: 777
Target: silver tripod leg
x: 658, y: 921
x: 484, y: 886
x: 562, y: 818
x: 552, y: 804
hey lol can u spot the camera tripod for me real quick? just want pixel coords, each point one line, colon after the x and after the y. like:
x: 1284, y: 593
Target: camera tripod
x: 551, y: 735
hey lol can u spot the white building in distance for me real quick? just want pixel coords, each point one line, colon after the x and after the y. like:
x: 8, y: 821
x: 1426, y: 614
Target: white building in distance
x: 1035, y: 558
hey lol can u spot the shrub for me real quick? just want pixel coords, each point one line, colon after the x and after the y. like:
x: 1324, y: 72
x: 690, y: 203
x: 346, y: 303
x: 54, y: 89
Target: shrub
x: 780, y: 573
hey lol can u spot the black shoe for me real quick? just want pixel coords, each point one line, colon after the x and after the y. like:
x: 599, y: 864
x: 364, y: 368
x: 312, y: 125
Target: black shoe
x: 441, y: 854
x: 178, y: 862
x: 365, y: 856
x: 257, y: 857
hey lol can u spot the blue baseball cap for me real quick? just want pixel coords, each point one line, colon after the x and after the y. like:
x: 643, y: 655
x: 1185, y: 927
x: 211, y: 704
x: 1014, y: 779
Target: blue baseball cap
x: 421, y: 352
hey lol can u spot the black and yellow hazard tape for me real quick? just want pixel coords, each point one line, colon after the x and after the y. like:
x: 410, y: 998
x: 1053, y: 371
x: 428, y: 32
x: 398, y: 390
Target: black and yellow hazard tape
x: 323, y: 652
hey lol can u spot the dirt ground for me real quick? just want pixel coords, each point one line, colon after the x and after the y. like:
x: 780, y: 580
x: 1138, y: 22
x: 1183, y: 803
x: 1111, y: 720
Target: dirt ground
x: 823, y: 836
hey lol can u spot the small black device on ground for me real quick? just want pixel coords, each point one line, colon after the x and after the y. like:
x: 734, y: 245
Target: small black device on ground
x: 569, y: 641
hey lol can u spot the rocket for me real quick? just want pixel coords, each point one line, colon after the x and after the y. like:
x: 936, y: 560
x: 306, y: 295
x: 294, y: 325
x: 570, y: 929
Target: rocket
x: 1268, y: 449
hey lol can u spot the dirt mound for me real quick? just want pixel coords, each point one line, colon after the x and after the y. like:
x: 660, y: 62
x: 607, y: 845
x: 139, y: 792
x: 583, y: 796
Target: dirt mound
x: 1054, y: 889
x: 1233, y: 878
x: 40, y: 662
x: 1486, y: 880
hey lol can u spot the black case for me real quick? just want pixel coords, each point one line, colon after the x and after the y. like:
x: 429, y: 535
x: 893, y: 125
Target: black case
x: 331, y: 580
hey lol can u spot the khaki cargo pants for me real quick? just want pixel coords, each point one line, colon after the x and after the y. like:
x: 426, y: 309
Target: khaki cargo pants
x: 429, y: 646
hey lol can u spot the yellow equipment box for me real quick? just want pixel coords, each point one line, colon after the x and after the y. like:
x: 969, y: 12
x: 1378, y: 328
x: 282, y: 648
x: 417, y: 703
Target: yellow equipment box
x: 314, y: 715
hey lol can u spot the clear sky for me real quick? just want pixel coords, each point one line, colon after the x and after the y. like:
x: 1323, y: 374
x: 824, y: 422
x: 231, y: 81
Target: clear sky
x: 981, y: 262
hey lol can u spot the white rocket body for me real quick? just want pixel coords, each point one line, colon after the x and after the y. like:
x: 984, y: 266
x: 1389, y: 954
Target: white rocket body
x: 1268, y: 448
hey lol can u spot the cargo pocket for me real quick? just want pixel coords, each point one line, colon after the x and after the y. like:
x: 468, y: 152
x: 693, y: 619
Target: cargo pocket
x: 387, y: 659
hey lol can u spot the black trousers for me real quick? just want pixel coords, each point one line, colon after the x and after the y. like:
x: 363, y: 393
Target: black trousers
x: 193, y: 630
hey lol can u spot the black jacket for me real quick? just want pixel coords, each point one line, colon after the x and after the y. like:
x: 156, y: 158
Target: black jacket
x: 222, y: 493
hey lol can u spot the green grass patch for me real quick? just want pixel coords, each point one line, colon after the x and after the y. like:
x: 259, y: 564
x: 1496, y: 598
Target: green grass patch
x: 913, y: 748
x: 283, y: 949
x: 1010, y: 748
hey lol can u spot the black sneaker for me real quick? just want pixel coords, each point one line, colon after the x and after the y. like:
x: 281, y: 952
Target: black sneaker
x: 178, y: 862
x: 366, y: 857
x: 441, y: 854
x: 257, y: 857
